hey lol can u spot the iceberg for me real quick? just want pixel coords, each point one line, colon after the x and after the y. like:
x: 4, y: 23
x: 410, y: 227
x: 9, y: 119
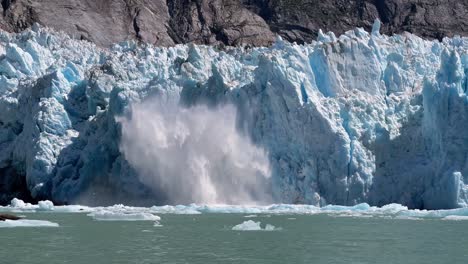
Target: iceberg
x: 17, y: 205
x: 253, y: 226
x: 362, y: 118
x: 120, y: 216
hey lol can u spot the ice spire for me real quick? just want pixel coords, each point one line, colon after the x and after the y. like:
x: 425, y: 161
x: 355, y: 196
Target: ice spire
x: 376, y: 27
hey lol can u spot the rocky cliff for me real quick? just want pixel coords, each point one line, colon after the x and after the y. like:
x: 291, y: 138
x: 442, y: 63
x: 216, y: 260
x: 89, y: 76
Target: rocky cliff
x: 231, y: 22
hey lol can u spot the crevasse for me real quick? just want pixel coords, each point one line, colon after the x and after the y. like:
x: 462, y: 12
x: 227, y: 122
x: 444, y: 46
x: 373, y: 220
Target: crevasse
x: 359, y: 118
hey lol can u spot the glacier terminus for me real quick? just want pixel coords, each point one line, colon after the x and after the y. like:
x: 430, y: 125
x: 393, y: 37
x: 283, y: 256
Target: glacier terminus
x: 359, y: 118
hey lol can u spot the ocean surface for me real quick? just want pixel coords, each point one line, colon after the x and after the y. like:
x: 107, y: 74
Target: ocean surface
x: 210, y: 238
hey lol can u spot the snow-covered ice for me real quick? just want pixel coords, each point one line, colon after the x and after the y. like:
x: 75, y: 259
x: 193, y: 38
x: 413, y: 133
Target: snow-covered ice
x: 359, y: 118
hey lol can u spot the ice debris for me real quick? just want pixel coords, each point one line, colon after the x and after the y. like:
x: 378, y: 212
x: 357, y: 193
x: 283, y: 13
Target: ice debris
x: 122, y: 212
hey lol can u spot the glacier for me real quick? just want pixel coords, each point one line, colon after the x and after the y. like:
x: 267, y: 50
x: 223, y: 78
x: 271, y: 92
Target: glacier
x: 359, y: 118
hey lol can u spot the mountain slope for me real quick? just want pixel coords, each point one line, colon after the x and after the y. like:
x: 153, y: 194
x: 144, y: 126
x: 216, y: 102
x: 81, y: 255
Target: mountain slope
x: 231, y: 22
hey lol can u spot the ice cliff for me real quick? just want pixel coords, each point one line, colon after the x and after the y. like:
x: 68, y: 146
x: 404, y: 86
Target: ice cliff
x: 362, y: 117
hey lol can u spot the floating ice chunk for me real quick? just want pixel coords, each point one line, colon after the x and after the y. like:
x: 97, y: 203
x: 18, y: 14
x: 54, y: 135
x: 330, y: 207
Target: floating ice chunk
x: 46, y: 205
x: 253, y: 226
x: 27, y: 223
x: 456, y: 217
x: 17, y: 203
x: 394, y: 208
x: 122, y: 216
x: 250, y: 216
x: 248, y: 226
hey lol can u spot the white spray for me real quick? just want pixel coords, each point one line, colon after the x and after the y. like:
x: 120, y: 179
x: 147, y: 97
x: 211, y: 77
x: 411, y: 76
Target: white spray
x: 194, y: 155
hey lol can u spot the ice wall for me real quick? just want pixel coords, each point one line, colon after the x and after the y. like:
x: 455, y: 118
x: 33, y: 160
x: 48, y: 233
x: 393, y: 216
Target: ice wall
x: 359, y: 118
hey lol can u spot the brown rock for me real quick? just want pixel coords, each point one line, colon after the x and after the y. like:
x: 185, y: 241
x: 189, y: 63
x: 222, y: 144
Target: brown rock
x: 231, y: 22
x: 4, y: 217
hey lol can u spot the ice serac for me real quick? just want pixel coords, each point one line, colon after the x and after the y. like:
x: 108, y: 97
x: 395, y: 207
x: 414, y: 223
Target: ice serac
x: 362, y: 117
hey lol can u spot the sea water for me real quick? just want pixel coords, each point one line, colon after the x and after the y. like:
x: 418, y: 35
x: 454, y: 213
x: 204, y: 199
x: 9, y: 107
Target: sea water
x: 213, y: 238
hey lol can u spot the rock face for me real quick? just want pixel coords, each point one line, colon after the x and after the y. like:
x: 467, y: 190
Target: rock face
x: 231, y: 22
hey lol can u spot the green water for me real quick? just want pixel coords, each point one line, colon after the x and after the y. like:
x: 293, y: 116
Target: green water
x: 208, y: 238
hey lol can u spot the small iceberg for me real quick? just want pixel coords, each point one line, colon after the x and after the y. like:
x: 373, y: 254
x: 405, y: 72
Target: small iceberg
x: 254, y: 226
x: 17, y: 205
x: 27, y: 223
x: 122, y: 216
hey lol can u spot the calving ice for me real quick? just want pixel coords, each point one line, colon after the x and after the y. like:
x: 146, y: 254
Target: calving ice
x: 359, y: 118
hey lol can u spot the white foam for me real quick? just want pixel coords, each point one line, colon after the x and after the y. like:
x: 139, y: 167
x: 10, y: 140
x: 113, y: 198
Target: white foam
x: 250, y: 225
x: 27, y: 223
x: 122, y: 216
